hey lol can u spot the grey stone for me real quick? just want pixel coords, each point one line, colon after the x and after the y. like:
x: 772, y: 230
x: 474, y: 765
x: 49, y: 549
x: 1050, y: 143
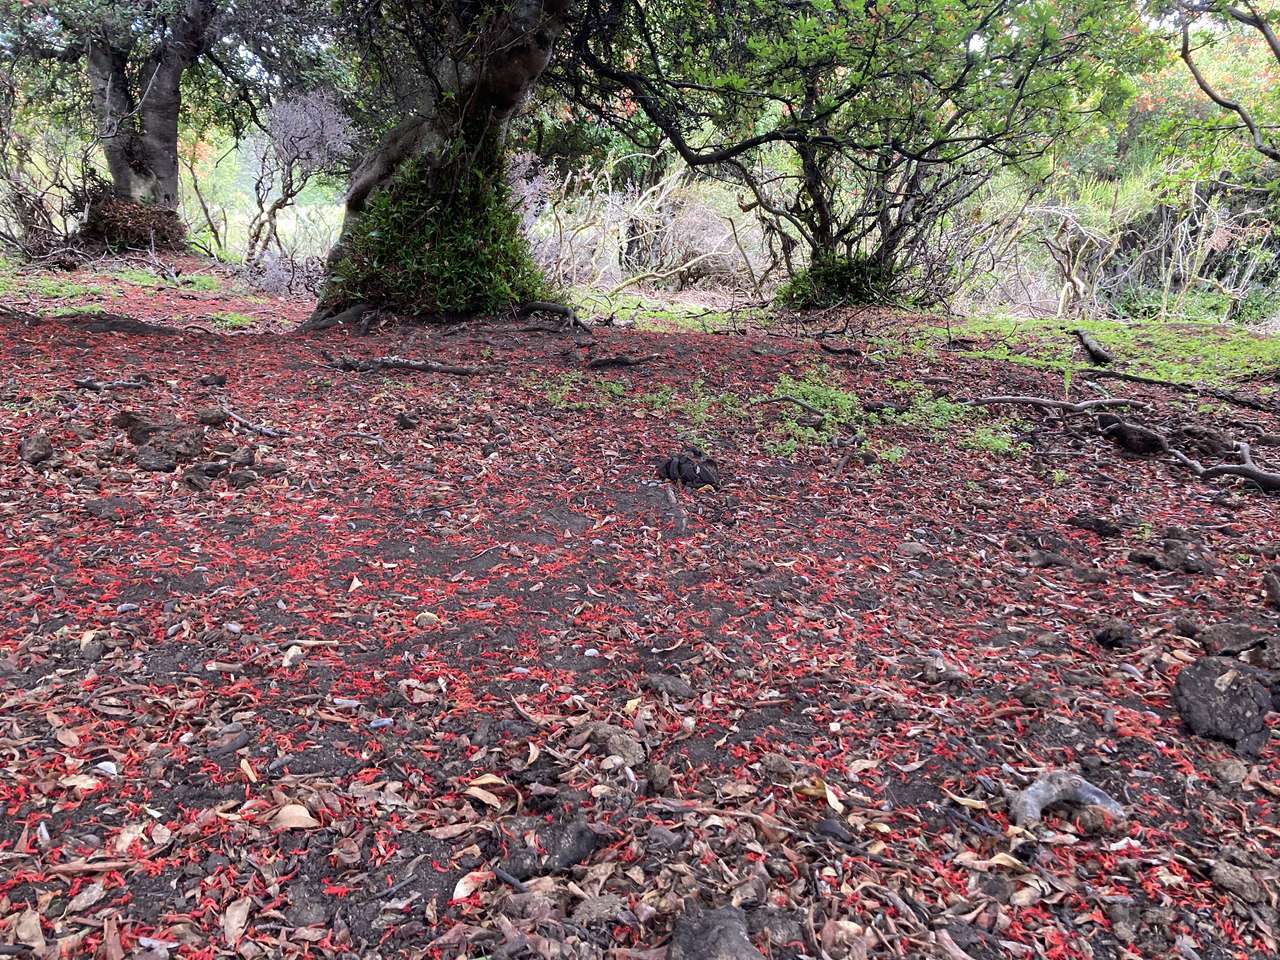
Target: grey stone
x: 670, y: 684
x: 1218, y: 698
x: 152, y: 460
x: 36, y: 448
x: 1238, y: 880
x: 711, y: 935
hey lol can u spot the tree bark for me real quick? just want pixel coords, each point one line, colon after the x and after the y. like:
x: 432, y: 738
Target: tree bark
x: 139, y: 129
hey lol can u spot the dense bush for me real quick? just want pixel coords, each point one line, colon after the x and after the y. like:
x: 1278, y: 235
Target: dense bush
x: 837, y: 283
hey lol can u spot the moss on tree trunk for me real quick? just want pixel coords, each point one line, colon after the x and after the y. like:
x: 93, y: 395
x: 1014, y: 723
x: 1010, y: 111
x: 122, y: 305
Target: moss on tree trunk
x: 440, y: 238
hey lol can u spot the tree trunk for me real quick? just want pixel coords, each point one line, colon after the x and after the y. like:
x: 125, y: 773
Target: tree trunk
x: 428, y: 228
x: 139, y: 131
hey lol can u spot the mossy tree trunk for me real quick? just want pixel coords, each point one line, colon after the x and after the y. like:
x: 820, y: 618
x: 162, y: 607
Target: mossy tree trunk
x: 428, y: 227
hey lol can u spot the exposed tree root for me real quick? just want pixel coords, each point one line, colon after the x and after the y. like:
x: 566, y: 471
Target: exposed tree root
x: 1266, y: 480
x: 325, y: 317
x: 1227, y: 396
x: 1097, y: 353
x: 1084, y: 406
x: 571, y: 318
x: 620, y: 360
x: 1059, y: 787
x: 357, y: 365
x: 100, y: 386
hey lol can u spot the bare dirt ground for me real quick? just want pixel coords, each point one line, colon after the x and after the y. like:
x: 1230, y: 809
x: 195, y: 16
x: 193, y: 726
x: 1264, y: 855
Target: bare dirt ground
x: 298, y: 661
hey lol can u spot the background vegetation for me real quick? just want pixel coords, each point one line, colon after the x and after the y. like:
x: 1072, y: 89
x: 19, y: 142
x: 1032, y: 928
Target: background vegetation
x: 813, y: 156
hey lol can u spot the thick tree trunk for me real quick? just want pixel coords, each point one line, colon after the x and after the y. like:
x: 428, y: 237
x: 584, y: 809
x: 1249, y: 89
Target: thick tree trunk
x: 139, y: 129
x: 433, y: 157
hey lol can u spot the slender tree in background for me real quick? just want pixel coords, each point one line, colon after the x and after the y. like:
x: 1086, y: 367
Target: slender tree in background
x: 860, y: 126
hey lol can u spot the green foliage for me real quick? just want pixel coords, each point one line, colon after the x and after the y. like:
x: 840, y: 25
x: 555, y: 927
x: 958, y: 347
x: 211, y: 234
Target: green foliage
x: 439, y: 241
x: 613, y: 389
x: 229, y: 320
x: 837, y: 283
x: 1199, y: 305
x: 817, y: 388
x: 562, y: 391
x: 992, y: 440
x: 203, y: 282
x: 78, y: 310
x: 1181, y: 352
x: 140, y: 278
x: 55, y: 289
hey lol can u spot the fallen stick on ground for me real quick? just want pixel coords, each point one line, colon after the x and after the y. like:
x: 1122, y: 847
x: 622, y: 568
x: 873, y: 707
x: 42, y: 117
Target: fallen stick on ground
x: 1096, y: 351
x: 254, y: 427
x: 1084, y: 406
x: 374, y: 364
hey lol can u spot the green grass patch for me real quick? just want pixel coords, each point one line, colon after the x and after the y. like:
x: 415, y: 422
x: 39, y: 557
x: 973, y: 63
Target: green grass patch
x: 55, y: 289
x: 77, y: 310
x: 202, y: 282
x: 650, y: 313
x: 233, y: 321
x: 1187, y: 353
x: 140, y: 278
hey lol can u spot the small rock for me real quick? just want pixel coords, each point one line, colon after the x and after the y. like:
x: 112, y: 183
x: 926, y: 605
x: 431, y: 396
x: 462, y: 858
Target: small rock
x: 1229, y: 772
x: 692, y: 468
x: 306, y: 912
x: 213, y: 380
x: 833, y: 828
x: 912, y: 549
x: 240, y: 479
x: 776, y: 926
x: 1031, y: 695
x: 93, y: 651
x: 998, y: 887
x: 35, y: 448
x: 664, y: 839
x: 778, y: 766
x: 1229, y: 639
x: 670, y: 684
x: 1218, y: 699
x: 1187, y: 627
x: 1047, y: 558
x: 602, y: 909
x: 660, y: 778
x: 557, y: 847
x: 711, y: 935
x: 150, y: 459
x: 212, y: 416
x: 617, y: 742
x: 1238, y: 880
x: 1114, y: 634
x: 1102, y: 526
x: 112, y: 508
x: 1123, y: 923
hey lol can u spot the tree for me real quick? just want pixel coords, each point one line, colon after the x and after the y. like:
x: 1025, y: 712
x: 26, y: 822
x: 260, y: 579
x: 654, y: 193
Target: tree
x: 133, y: 60
x: 306, y: 136
x: 1224, y: 19
x: 858, y: 126
x: 428, y: 227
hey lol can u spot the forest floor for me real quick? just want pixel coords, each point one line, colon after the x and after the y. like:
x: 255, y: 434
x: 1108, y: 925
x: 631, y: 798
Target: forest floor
x: 298, y: 661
